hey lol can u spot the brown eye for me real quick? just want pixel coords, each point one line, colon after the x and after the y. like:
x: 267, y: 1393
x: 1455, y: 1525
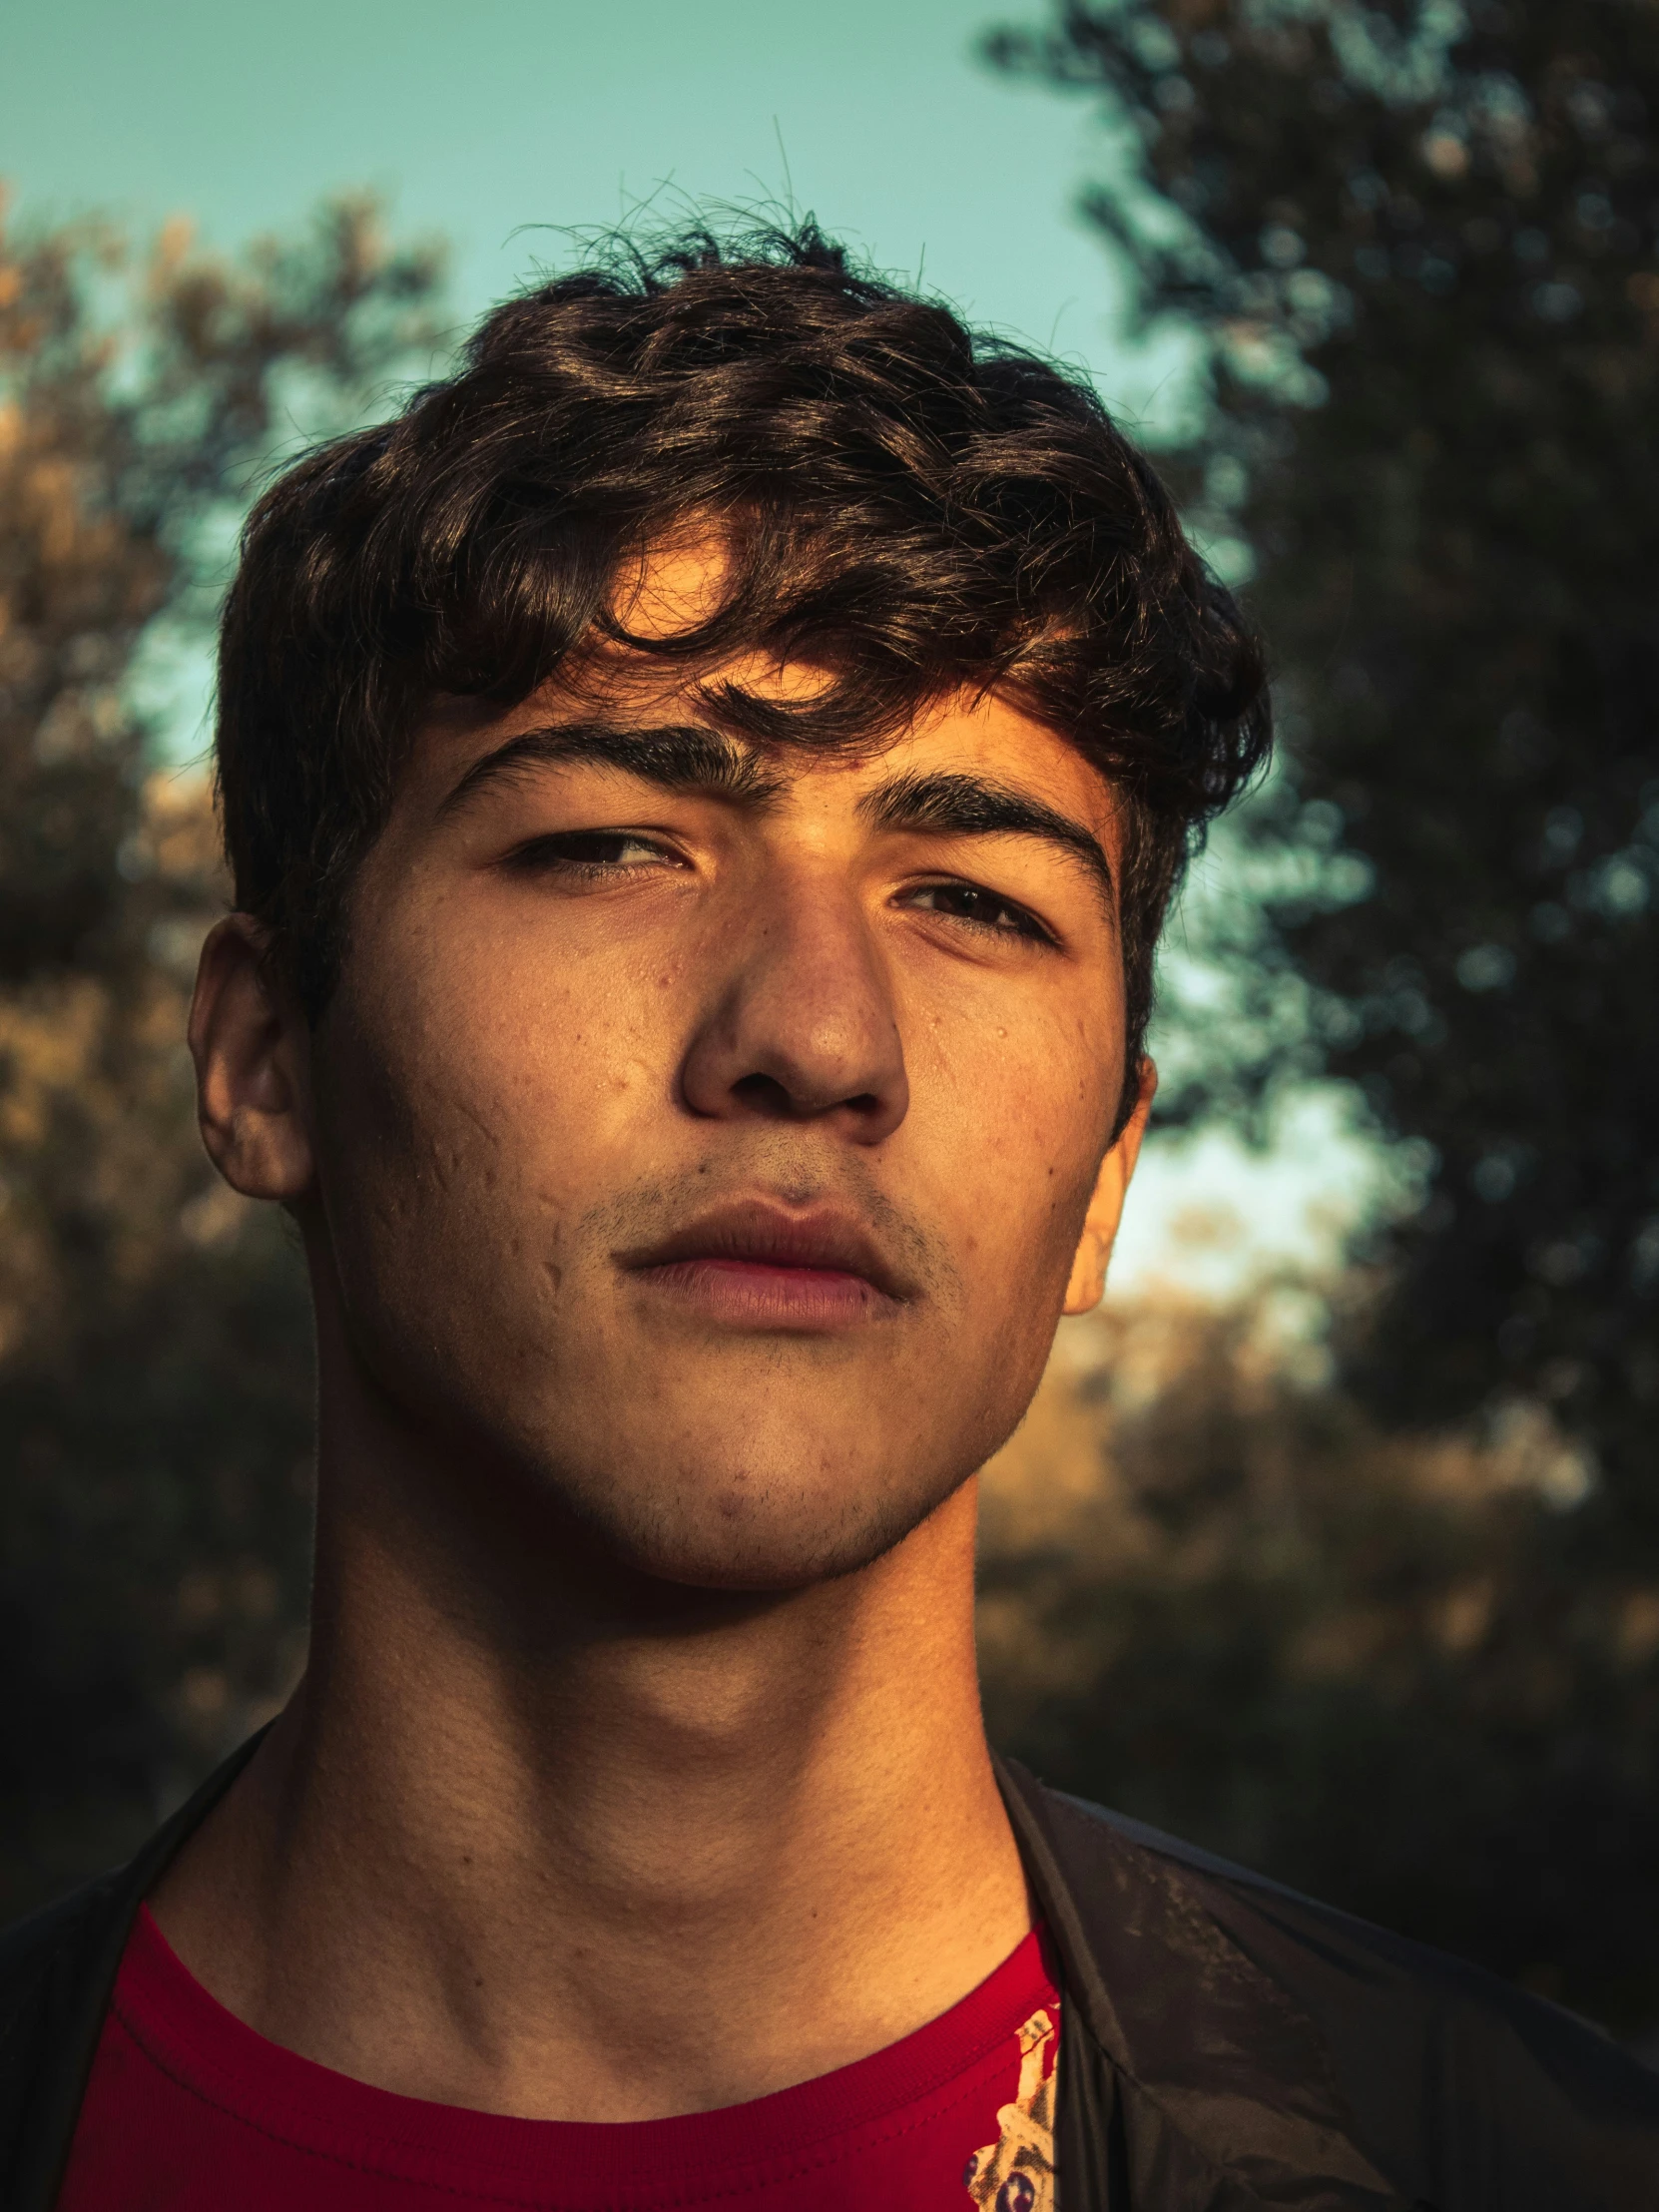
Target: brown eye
x: 591, y: 854
x: 983, y: 910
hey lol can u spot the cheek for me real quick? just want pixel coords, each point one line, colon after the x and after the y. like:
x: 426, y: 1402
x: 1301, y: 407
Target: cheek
x: 486, y: 1077
x: 1015, y: 1113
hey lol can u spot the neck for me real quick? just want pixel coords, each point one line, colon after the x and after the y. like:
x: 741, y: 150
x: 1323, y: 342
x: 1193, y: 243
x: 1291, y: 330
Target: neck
x: 533, y: 1823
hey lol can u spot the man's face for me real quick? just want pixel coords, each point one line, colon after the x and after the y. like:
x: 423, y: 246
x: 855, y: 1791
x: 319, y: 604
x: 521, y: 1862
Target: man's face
x: 703, y: 1136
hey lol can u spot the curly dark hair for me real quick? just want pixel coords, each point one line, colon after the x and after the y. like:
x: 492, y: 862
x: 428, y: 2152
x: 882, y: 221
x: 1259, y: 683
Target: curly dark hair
x: 915, y: 507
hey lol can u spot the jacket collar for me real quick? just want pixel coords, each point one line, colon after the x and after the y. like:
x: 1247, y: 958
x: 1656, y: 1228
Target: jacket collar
x: 1229, y: 2095
x: 99, y: 1921
x: 1207, y: 2046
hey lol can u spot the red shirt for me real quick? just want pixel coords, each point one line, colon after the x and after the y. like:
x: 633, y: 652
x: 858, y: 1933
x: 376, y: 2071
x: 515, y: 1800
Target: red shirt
x: 189, y: 2110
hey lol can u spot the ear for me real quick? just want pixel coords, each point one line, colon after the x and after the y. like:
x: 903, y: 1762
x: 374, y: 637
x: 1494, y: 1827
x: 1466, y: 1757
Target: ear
x: 252, y: 1050
x: 1100, y: 1224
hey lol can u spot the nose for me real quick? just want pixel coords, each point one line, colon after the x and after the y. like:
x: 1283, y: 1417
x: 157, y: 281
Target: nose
x: 801, y: 1023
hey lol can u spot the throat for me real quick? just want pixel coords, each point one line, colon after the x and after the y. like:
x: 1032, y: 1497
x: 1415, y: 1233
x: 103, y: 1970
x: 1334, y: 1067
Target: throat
x: 527, y: 1887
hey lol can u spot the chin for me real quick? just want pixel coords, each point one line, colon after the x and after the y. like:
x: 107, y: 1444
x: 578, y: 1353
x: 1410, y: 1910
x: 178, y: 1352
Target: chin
x: 763, y: 1535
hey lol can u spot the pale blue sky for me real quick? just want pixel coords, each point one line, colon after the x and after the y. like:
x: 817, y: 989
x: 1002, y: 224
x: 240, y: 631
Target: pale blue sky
x: 477, y: 122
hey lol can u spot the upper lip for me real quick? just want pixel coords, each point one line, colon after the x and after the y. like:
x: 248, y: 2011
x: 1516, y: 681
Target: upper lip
x: 773, y: 1236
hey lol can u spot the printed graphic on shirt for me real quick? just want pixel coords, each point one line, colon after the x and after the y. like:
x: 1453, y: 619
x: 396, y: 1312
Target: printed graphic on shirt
x: 1017, y: 2172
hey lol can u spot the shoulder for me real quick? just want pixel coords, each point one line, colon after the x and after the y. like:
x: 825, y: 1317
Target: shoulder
x: 53, y: 1967
x: 39, y: 1953
x: 1462, y: 2090
x: 56, y: 1969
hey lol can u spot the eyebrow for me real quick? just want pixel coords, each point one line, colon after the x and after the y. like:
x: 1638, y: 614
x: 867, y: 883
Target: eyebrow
x: 679, y: 757
x: 974, y: 807
x: 688, y: 757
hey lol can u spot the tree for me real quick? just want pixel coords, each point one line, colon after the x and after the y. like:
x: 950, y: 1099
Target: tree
x: 1416, y: 247
x: 1421, y: 255
x: 154, y: 1339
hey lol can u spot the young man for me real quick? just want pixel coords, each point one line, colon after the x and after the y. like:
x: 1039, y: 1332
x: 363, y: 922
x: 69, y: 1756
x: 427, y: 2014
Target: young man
x: 701, y: 789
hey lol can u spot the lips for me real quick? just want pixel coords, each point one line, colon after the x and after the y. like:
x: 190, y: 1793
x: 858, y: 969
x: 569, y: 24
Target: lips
x: 762, y: 1265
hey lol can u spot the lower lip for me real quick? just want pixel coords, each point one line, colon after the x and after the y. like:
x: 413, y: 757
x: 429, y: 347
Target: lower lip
x: 751, y: 1295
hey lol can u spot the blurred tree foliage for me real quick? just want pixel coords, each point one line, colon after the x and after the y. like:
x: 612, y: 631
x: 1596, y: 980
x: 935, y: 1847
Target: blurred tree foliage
x: 1216, y: 1595
x: 154, y: 1342
x: 1419, y: 246
x: 1422, y: 246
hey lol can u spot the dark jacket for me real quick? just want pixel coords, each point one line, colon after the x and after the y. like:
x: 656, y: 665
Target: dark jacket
x: 1224, y: 2043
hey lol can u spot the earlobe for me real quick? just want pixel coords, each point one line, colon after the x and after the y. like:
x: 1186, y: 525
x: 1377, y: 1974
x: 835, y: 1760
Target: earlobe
x: 251, y: 1049
x: 1100, y: 1224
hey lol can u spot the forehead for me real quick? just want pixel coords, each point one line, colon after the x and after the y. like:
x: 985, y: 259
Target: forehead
x: 677, y: 585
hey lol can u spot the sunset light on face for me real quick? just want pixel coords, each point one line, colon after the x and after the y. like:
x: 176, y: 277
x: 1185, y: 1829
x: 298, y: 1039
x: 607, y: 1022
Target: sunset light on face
x: 828, y: 1241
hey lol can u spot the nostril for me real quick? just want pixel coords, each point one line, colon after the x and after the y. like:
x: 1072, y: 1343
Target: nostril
x: 764, y: 1094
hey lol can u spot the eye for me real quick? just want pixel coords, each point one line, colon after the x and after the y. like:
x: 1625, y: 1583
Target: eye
x: 981, y: 908
x: 590, y: 855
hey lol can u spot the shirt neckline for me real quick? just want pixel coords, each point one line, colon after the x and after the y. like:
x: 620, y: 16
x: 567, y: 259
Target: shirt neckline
x: 206, y: 2049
